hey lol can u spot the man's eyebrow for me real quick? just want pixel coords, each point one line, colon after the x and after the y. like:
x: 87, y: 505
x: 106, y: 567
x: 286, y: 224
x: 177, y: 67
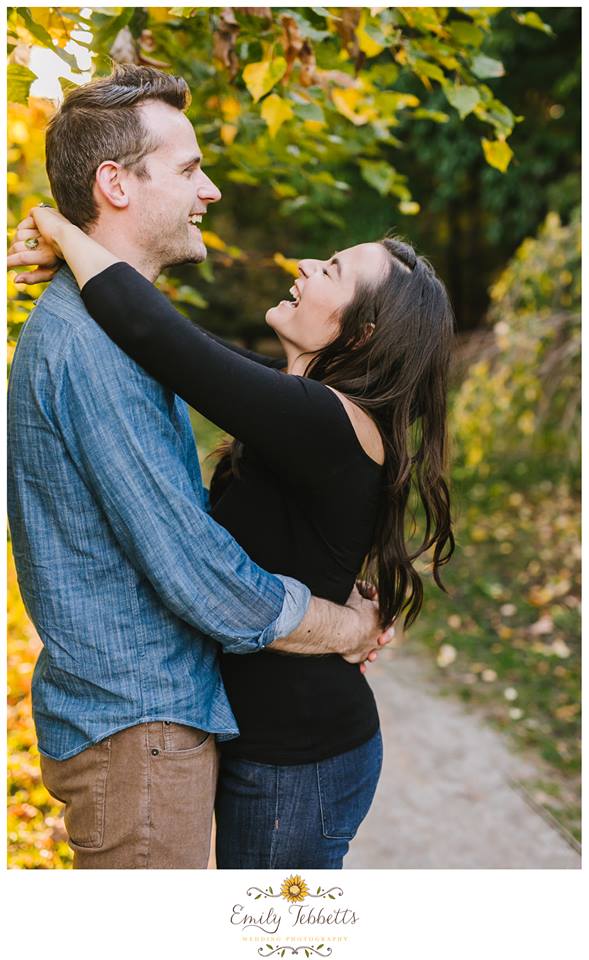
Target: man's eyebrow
x: 191, y: 162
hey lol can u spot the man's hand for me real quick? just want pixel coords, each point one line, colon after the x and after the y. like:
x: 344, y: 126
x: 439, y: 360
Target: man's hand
x: 43, y: 256
x: 369, y: 592
x: 368, y: 637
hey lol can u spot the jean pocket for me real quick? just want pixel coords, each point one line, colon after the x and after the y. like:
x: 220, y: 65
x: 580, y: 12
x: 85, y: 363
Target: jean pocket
x: 347, y: 784
x: 180, y: 740
x: 80, y: 783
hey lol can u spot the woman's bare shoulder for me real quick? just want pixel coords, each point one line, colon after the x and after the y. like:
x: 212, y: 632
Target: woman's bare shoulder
x: 366, y: 430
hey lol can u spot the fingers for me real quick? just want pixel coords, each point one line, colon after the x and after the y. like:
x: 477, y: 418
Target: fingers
x: 18, y: 246
x: 387, y: 635
x: 28, y: 258
x: 36, y: 276
x: 26, y: 233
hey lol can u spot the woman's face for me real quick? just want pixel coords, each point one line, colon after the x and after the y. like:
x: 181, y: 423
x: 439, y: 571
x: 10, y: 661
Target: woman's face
x: 311, y: 319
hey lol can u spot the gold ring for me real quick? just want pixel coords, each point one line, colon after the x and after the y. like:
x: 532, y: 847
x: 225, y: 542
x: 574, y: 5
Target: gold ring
x: 32, y: 243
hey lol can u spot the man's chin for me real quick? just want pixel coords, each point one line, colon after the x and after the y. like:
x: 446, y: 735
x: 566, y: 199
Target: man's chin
x: 196, y: 254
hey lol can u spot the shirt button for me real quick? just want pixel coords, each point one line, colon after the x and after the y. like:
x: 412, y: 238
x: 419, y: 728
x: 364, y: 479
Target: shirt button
x: 155, y: 753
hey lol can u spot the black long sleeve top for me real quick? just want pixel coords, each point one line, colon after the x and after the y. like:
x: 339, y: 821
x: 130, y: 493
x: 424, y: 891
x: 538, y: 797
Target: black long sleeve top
x: 304, y: 504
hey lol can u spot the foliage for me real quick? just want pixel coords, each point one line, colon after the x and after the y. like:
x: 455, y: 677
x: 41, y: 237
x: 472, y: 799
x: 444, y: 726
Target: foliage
x: 299, y: 103
x: 512, y: 639
x: 36, y: 835
x: 523, y: 399
x: 371, y: 117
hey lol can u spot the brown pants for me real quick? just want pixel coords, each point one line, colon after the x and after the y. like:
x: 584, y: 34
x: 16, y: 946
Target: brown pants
x: 142, y: 799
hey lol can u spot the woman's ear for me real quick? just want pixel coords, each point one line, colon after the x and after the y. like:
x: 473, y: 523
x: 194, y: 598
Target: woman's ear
x: 110, y: 181
x: 368, y: 331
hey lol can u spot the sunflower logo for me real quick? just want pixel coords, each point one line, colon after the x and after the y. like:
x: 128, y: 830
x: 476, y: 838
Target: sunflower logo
x: 294, y: 889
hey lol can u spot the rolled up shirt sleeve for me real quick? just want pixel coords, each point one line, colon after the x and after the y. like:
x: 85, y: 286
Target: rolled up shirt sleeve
x: 127, y: 436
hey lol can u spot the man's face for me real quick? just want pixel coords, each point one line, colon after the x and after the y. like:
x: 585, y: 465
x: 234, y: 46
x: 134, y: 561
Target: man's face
x: 177, y: 191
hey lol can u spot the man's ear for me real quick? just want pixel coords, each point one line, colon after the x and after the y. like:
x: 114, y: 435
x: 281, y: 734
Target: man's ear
x: 111, y: 184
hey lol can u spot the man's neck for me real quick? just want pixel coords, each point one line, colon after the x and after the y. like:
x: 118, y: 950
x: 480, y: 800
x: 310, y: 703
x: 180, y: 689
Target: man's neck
x: 124, y: 248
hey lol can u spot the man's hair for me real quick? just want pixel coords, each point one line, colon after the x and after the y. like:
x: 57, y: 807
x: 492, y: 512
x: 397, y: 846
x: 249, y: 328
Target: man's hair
x: 100, y: 121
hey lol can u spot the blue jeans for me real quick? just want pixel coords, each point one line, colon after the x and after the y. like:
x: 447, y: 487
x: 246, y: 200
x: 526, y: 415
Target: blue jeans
x: 301, y: 816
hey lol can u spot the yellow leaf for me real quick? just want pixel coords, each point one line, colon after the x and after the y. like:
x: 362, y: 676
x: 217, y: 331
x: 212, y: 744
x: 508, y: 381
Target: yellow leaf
x: 409, y: 207
x: 290, y: 266
x: 498, y: 153
x: 230, y: 108
x: 345, y: 103
x: 275, y: 111
x: 259, y: 78
x: 213, y: 241
x: 315, y: 126
x: 228, y: 133
x: 367, y: 45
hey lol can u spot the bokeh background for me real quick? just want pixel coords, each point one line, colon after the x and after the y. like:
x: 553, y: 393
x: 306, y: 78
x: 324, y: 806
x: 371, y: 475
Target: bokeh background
x: 458, y: 128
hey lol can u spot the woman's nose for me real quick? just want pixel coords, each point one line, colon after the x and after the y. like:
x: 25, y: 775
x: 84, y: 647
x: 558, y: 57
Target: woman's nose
x: 308, y: 266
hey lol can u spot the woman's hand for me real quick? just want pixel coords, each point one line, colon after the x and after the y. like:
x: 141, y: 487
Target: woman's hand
x: 46, y: 226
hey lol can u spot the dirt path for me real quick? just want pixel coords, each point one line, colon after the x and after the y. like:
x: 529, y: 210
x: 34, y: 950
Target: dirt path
x: 445, y: 799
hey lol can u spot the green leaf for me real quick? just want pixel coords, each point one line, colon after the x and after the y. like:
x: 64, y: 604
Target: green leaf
x: 186, y: 294
x: 19, y: 82
x: 483, y: 66
x: 436, y: 115
x: 309, y: 111
x: 378, y: 174
x: 531, y: 19
x: 466, y: 34
x: 271, y: 890
x: 66, y: 85
x: 429, y: 70
x: 260, y: 77
x: 241, y: 176
x: 105, y: 35
x: 462, y: 98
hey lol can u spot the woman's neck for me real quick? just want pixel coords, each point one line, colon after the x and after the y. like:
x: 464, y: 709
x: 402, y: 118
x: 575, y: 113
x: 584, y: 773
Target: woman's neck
x: 296, y: 362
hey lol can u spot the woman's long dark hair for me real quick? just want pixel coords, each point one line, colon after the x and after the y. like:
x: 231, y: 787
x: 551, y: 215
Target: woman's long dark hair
x: 391, y: 357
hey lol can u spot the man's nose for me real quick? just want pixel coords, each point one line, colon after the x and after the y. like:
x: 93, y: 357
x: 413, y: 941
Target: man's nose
x: 308, y: 266
x: 208, y: 191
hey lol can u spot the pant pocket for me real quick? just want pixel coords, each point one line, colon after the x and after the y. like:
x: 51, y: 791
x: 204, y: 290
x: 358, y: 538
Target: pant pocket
x: 180, y: 740
x: 80, y: 783
x: 347, y: 784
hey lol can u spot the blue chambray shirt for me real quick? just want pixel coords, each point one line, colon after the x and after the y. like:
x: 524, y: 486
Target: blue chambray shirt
x: 127, y: 579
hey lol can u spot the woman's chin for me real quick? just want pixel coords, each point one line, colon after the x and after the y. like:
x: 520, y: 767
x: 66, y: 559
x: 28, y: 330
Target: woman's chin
x: 276, y: 316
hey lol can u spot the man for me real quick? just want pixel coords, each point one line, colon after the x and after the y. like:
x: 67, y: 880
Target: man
x: 131, y: 585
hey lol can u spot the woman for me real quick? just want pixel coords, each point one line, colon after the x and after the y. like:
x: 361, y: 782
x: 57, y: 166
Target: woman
x: 315, y: 485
